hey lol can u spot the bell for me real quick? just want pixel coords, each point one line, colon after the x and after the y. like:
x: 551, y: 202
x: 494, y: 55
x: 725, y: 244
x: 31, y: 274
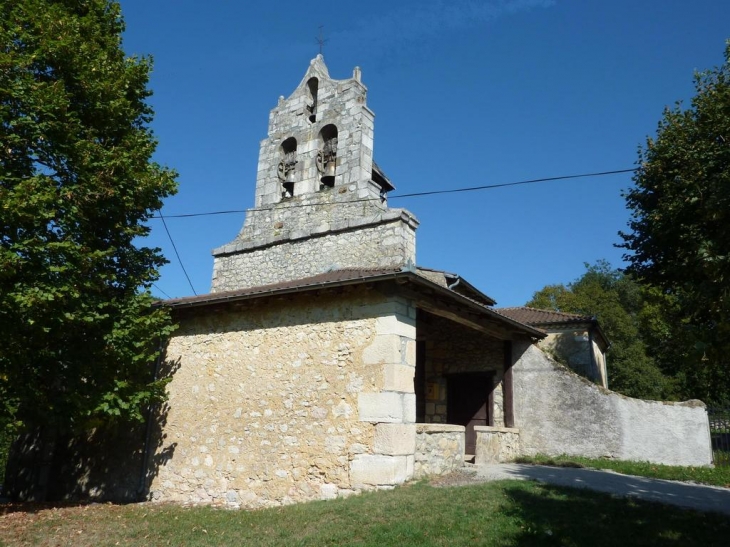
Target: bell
x: 328, y: 178
x: 290, y: 177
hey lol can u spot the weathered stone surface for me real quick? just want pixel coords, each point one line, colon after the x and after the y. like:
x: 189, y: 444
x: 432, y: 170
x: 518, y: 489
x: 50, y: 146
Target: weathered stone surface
x: 383, y: 350
x: 380, y: 407
x: 559, y: 412
x: 274, y: 258
x: 302, y: 227
x: 264, y: 403
x: 439, y: 449
x: 368, y: 471
x: 496, y: 444
x: 579, y: 351
x: 453, y: 349
x: 399, y: 377
x: 395, y: 439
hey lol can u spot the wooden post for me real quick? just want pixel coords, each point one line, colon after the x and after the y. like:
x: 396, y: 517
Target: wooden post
x: 490, y: 402
x: 509, y: 409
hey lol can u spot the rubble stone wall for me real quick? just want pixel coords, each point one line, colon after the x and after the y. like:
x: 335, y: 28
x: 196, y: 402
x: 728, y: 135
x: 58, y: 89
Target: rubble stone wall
x: 306, y: 397
x: 383, y: 240
x: 452, y: 349
x: 439, y: 449
x: 496, y: 444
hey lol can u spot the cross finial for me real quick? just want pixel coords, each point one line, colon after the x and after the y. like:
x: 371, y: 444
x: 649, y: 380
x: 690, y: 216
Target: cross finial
x: 320, y: 39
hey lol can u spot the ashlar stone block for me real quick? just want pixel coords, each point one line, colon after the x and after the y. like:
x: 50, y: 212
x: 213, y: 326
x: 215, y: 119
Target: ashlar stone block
x: 368, y: 470
x: 398, y: 377
x: 380, y: 407
x: 409, y: 407
x: 396, y: 324
x: 386, y: 348
x: 395, y: 439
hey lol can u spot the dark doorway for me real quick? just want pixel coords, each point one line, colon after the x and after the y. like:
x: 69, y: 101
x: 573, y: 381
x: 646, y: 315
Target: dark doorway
x: 468, y: 403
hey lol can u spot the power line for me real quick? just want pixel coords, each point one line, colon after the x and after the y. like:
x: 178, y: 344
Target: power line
x: 419, y: 194
x: 232, y: 211
x: 502, y: 185
x: 159, y: 289
x: 176, y: 253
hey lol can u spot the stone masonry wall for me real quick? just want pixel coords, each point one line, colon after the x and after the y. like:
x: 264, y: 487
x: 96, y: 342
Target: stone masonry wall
x: 439, y: 449
x: 559, y: 412
x: 342, y: 103
x: 496, y: 444
x: 452, y: 348
x: 295, y: 248
x: 575, y: 348
x: 302, y: 226
x: 306, y: 397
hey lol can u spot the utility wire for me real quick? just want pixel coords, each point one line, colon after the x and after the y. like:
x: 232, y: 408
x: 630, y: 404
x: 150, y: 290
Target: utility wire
x: 416, y: 194
x: 176, y: 253
x: 532, y: 181
x: 159, y: 289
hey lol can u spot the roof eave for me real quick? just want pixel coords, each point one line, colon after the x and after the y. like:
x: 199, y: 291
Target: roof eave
x: 405, y: 275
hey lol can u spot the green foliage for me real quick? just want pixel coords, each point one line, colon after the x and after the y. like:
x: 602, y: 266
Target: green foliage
x: 6, y: 439
x: 680, y: 230
x: 618, y: 303
x: 76, y: 185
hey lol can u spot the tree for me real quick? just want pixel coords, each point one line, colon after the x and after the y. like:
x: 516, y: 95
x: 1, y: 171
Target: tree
x: 618, y: 303
x: 679, y: 239
x: 80, y: 334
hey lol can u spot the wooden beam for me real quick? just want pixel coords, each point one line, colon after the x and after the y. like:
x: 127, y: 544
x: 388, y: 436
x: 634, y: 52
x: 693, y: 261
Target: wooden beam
x: 490, y: 402
x: 508, y: 385
x: 457, y: 315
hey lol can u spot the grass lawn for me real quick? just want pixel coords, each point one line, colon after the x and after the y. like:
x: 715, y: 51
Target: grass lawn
x: 497, y: 513
x: 718, y: 476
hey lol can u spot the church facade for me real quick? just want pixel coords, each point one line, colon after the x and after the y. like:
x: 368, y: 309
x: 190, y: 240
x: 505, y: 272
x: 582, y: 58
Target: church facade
x: 324, y: 362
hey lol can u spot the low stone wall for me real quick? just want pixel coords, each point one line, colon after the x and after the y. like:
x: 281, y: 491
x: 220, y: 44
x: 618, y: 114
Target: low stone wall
x: 496, y: 444
x: 439, y: 449
x: 559, y: 412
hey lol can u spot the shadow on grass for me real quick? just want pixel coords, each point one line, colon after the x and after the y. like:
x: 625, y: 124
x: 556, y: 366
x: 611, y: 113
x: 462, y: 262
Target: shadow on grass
x: 33, y: 507
x: 554, y: 515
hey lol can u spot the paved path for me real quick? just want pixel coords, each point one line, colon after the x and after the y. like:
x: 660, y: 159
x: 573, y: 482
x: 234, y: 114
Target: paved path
x: 699, y: 497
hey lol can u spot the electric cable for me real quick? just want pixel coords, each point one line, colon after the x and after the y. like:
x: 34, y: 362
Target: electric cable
x: 419, y: 194
x: 176, y: 253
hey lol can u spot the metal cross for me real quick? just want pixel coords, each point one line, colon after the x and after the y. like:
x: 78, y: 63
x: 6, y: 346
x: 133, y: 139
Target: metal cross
x: 320, y: 39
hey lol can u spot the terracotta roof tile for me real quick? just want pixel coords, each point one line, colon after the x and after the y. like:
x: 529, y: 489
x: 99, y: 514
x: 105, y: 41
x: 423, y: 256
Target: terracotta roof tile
x: 534, y: 316
x: 351, y: 277
x: 335, y: 276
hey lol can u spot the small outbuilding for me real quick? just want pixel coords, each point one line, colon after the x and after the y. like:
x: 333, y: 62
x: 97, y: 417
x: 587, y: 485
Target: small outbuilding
x: 572, y: 339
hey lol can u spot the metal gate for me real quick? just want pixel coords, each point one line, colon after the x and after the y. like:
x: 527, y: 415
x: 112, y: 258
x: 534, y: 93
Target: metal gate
x: 720, y: 434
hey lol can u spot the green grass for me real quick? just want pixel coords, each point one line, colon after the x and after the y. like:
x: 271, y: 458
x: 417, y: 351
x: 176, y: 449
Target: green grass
x: 721, y: 458
x: 718, y: 476
x: 499, y: 513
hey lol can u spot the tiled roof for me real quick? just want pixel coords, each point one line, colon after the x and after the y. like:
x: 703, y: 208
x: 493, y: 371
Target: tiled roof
x: 456, y: 283
x: 356, y: 276
x: 533, y: 316
x: 334, y: 276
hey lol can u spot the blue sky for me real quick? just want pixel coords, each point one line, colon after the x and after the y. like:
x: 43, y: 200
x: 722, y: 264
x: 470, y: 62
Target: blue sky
x: 465, y: 93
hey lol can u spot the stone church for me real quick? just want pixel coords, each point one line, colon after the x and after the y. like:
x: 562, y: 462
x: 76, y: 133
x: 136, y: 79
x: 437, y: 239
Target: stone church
x: 324, y: 362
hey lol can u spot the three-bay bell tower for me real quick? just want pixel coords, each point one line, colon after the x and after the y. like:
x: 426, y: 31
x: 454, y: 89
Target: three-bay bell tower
x: 320, y: 198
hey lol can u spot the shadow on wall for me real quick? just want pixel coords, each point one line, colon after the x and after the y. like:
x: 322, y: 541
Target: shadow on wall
x: 574, y: 354
x: 110, y: 462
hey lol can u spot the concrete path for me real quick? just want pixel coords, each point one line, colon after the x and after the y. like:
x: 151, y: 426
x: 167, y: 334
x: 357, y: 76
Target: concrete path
x: 692, y: 496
